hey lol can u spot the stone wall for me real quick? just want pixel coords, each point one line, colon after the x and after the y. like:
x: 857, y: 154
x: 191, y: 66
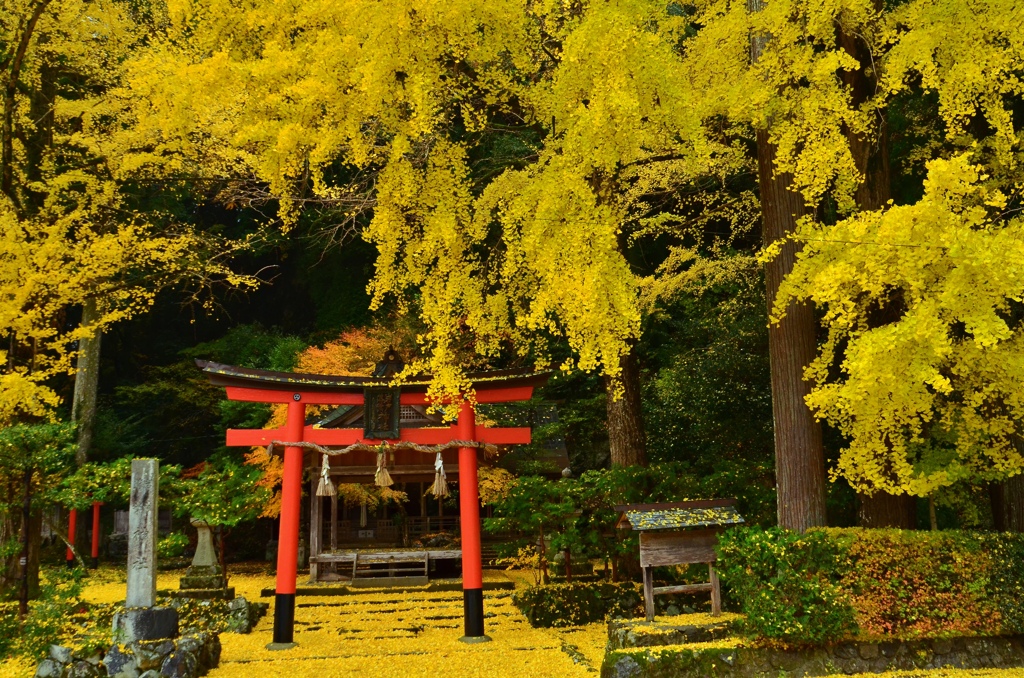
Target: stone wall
x: 843, y: 658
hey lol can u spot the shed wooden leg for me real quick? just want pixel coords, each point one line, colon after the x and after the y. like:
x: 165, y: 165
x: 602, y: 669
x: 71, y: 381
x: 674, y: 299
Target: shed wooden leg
x: 716, y: 592
x: 649, y: 592
x: 355, y: 558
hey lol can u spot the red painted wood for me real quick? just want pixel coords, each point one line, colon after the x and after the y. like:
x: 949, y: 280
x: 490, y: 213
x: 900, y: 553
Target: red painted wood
x: 72, y: 524
x: 347, y: 436
x: 469, y: 503
x: 503, y: 394
x: 503, y: 436
x: 291, y: 498
x: 96, y: 529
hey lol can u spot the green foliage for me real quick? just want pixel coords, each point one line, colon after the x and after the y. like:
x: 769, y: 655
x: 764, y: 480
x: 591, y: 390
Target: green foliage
x: 578, y: 515
x: 576, y: 603
x: 708, y: 400
x: 788, y: 584
x: 824, y: 585
x: 107, y: 482
x: 222, y: 491
x: 45, y: 451
x: 49, y: 618
x: 172, y: 546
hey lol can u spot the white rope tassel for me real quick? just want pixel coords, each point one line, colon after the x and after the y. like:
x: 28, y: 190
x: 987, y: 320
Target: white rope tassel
x: 326, y: 487
x: 382, y: 478
x: 440, y: 487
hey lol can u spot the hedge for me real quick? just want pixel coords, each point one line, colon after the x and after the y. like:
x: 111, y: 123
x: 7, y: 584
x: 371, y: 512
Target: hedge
x: 579, y: 603
x: 829, y: 584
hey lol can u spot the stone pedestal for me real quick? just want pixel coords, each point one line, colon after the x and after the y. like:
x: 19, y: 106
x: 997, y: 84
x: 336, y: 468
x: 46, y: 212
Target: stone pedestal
x: 204, y: 578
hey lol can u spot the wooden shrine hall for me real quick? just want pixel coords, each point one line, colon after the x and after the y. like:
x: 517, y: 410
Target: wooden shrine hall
x: 374, y: 428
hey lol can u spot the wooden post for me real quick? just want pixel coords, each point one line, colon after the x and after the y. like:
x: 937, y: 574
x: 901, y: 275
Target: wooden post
x: 315, y: 529
x: 469, y: 507
x: 288, y: 539
x: 334, y: 522
x: 649, y: 592
x: 716, y: 592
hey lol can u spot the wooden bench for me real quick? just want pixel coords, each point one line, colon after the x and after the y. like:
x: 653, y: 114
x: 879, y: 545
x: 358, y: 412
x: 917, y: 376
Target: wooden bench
x: 401, y: 566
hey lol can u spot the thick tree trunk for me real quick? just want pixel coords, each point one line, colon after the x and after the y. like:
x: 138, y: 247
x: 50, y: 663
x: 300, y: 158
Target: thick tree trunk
x: 87, y: 377
x: 887, y: 510
x: 1008, y: 504
x: 799, y: 453
x: 626, y: 436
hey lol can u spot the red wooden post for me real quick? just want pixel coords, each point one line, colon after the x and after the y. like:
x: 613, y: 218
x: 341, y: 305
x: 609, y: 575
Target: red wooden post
x: 288, y: 539
x: 72, y: 524
x: 469, y: 507
x: 95, y: 534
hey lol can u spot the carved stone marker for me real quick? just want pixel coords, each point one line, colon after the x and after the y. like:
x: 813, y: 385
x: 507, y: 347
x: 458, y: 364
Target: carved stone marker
x: 142, y: 532
x: 141, y: 620
x: 204, y: 578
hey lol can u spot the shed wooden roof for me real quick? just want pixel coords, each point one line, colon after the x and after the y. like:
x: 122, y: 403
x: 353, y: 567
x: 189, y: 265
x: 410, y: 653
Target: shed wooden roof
x: 679, y: 515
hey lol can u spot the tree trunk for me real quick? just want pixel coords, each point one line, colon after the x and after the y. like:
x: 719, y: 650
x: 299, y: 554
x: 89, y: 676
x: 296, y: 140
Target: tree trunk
x: 87, y: 377
x: 799, y: 453
x: 887, y: 510
x: 1008, y: 504
x: 626, y: 437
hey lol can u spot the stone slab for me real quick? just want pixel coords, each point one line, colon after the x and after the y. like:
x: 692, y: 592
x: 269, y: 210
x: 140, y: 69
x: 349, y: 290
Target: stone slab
x: 150, y: 623
x: 227, y: 593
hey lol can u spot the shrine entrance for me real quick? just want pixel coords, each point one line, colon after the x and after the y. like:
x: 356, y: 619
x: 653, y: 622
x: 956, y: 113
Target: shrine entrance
x: 350, y: 451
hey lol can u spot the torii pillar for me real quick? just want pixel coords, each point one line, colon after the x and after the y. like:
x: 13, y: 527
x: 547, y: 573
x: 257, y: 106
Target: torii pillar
x: 469, y: 514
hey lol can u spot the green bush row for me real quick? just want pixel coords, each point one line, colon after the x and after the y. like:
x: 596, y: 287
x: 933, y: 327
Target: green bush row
x: 829, y: 584
x: 578, y: 603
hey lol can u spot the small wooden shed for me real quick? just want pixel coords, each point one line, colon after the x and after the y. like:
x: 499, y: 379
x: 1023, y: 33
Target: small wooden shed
x: 679, y: 533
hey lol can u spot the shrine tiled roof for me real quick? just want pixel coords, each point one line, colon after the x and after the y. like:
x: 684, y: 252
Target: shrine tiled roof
x: 681, y: 515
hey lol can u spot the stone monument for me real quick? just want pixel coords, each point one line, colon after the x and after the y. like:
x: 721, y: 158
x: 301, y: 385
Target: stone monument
x: 142, y: 620
x: 204, y: 578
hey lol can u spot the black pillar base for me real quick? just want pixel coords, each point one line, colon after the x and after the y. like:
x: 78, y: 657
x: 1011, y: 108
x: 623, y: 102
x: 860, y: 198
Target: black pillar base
x: 473, y: 611
x: 94, y: 563
x: 70, y: 562
x: 284, y: 622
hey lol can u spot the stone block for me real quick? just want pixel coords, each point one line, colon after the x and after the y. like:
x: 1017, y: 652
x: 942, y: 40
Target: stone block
x: 120, y: 664
x: 206, y: 594
x: 83, y: 669
x: 867, y: 650
x: 49, y: 668
x: 150, y: 623
x: 60, y: 654
x: 179, y: 665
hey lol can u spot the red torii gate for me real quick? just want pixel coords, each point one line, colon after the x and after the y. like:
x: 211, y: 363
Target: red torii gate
x: 299, y: 390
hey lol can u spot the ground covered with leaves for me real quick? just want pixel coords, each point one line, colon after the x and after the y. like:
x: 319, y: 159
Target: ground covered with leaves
x: 392, y: 633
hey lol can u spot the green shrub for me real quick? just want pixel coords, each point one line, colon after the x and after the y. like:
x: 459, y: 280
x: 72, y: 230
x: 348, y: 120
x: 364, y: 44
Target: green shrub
x: 172, y: 546
x: 575, y: 603
x: 787, y: 583
x: 823, y: 585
